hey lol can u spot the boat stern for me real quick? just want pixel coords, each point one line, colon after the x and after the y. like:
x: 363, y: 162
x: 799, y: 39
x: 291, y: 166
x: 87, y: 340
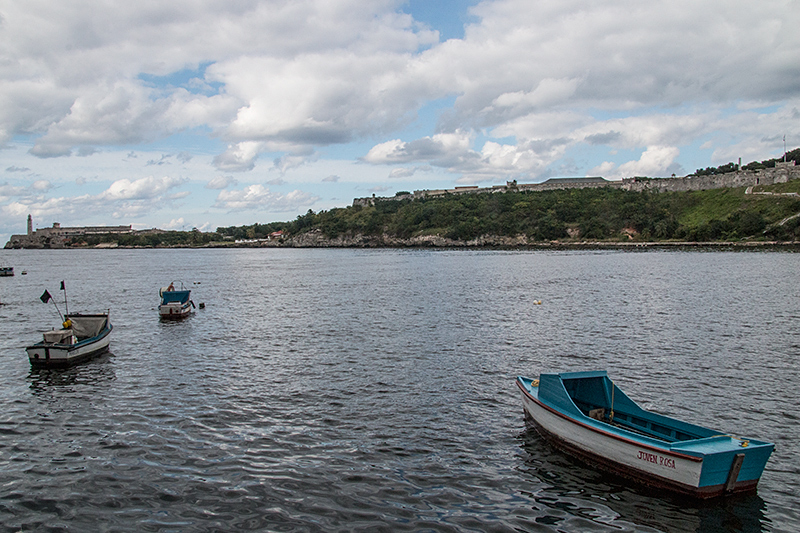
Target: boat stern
x: 730, y: 464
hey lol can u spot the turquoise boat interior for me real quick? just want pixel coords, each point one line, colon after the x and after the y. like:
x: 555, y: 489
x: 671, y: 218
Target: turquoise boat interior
x: 593, y: 399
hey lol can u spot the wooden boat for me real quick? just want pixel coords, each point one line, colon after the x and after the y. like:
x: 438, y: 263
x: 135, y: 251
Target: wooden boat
x: 6, y: 271
x: 586, y: 415
x: 82, y: 337
x: 175, y: 304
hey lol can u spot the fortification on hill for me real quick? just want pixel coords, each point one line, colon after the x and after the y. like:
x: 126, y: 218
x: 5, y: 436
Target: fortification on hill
x: 781, y: 173
x: 56, y: 236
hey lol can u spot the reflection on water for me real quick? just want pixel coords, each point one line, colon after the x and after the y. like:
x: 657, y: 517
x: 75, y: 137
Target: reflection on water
x: 609, y: 499
x: 92, y: 372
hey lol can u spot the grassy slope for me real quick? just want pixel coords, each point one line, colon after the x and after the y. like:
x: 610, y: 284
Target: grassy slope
x: 720, y: 204
x: 576, y: 214
x: 716, y: 204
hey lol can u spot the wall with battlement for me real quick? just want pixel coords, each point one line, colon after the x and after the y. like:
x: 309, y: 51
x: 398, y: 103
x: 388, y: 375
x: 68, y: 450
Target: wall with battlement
x: 781, y: 173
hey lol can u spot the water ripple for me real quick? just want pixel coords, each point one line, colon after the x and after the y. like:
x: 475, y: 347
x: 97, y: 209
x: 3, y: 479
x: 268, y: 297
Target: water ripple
x: 372, y: 390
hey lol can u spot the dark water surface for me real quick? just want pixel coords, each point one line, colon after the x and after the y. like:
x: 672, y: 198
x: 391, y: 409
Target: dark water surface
x: 346, y: 390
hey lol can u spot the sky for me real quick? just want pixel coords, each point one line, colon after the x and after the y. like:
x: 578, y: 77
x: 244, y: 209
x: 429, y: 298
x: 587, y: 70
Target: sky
x: 208, y: 113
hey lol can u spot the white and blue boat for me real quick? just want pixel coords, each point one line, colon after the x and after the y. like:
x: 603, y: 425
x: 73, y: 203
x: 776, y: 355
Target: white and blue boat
x: 175, y: 303
x: 587, y: 416
x: 82, y: 337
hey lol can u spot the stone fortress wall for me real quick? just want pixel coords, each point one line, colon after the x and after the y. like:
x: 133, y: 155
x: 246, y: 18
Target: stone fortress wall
x: 781, y: 173
x: 56, y: 236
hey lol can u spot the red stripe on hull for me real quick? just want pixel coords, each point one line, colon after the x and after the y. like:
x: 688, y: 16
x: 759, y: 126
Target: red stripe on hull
x: 638, y: 476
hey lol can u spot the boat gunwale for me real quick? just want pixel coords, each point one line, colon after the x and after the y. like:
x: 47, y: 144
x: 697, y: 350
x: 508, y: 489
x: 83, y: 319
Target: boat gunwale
x: 616, y: 436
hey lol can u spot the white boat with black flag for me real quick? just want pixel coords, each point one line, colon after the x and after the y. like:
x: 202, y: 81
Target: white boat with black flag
x: 81, y: 337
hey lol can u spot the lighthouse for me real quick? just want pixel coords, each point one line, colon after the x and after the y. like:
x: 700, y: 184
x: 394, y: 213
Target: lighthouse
x: 30, y: 226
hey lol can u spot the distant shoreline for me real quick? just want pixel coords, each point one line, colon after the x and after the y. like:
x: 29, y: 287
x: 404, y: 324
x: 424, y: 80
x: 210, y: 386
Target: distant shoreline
x: 551, y: 245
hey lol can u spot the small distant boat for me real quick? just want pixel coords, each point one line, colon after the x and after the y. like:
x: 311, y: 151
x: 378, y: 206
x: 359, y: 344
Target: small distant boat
x: 175, y: 303
x: 82, y: 337
x: 586, y: 415
x: 6, y: 271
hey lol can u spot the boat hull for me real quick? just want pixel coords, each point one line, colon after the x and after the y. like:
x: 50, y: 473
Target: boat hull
x: 174, y: 312
x: 58, y: 355
x: 175, y: 304
x: 652, y: 466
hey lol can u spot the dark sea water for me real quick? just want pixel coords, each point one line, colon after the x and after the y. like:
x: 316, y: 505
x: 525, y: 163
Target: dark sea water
x: 373, y: 390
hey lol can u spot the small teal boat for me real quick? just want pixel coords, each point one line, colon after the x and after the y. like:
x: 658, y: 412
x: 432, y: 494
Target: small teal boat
x: 175, y: 304
x: 586, y: 415
x: 82, y: 337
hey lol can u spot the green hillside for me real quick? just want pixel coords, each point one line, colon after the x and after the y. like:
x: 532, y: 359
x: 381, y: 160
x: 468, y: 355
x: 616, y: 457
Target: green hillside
x: 605, y: 214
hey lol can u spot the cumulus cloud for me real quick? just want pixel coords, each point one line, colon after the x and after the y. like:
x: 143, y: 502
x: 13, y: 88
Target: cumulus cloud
x: 142, y: 189
x: 123, y: 199
x: 8, y: 191
x: 221, y: 182
x: 529, y: 84
x: 304, y: 73
x: 440, y: 147
x: 547, y: 94
x: 402, y: 172
x: 495, y: 161
x: 178, y: 195
x: 333, y: 178
x: 290, y: 161
x: 175, y: 223
x: 655, y: 161
x: 259, y: 197
x: 28, y: 193
x: 86, y: 151
x: 239, y: 157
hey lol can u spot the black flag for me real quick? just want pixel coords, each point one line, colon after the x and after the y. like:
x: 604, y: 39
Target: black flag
x: 45, y: 297
x: 62, y: 286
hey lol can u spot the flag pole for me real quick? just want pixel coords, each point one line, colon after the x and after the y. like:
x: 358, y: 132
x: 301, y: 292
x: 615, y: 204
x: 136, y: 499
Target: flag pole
x: 46, y: 297
x: 59, y: 310
x: 66, y: 305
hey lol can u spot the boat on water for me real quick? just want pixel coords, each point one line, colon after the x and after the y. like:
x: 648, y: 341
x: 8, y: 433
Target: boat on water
x: 175, y: 303
x: 587, y: 416
x: 81, y: 337
x: 6, y: 271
